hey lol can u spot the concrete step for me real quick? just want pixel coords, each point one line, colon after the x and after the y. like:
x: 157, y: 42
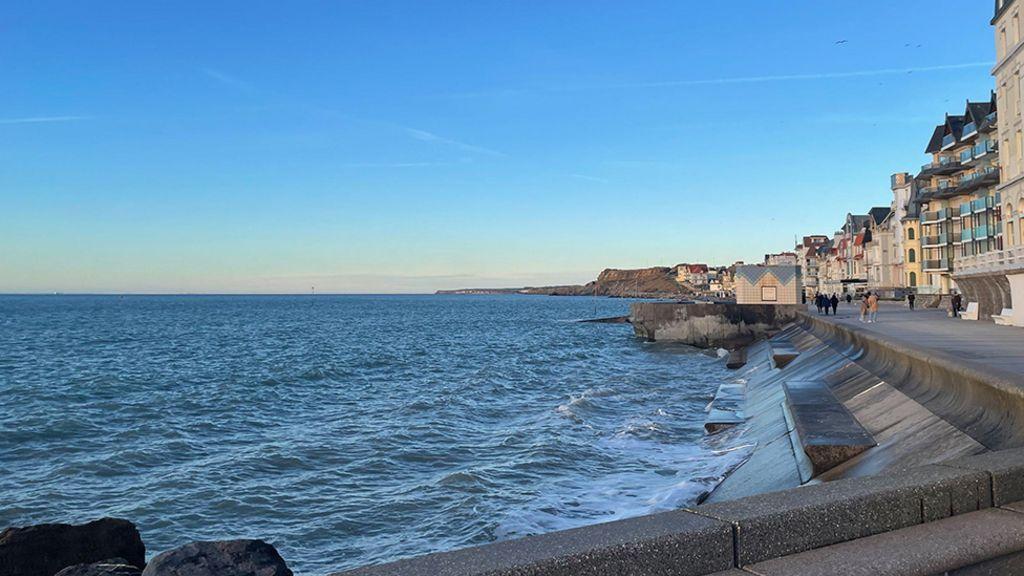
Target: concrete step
x: 783, y: 352
x: 826, y: 431
x: 959, y: 545
x: 727, y: 409
x: 737, y: 359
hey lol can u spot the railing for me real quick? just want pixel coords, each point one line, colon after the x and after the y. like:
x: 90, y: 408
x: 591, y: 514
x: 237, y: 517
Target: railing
x: 931, y: 241
x: 995, y: 261
x: 983, y: 148
x: 965, y: 235
x: 948, y: 140
x: 981, y: 232
x: 943, y: 214
x: 969, y: 130
x: 967, y: 155
x: 942, y: 162
x: 965, y: 208
x: 942, y: 264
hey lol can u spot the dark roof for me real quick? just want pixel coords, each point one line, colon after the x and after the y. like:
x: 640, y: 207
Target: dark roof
x: 955, y: 126
x: 879, y: 214
x: 1001, y: 9
x: 935, y: 144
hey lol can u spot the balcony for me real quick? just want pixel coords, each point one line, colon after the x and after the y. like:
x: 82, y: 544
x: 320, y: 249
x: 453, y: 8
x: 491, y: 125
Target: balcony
x: 982, y: 204
x: 945, y: 189
x: 939, y: 215
x: 948, y: 141
x: 984, y: 149
x: 966, y: 236
x: 970, y: 129
x: 944, y: 166
x: 937, y: 265
x: 980, y: 232
x: 987, y: 176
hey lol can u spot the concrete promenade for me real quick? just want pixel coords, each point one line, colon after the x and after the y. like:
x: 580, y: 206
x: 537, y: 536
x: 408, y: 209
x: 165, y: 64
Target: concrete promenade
x: 981, y: 344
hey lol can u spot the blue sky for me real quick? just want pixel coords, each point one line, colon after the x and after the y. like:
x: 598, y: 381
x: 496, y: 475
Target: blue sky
x: 386, y: 146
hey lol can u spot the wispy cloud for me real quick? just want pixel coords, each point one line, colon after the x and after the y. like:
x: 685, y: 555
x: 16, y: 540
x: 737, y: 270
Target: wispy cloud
x: 43, y: 119
x: 637, y: 163
x: 425, y: 136
x: 812, y: 76
x: 229, y: 80
x: 725, y: 80
x: 400, y: 164
x: 588, y: 178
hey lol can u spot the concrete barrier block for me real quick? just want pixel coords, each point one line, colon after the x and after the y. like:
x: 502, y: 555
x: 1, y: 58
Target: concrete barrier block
x: 676, y: 543
x: 1006, y: 469
x: 793, y: 521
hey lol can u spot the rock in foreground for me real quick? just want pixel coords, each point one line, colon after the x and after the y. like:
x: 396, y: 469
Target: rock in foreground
x: 111, y: 567
x: 46, y: 549
x: 227, y: 558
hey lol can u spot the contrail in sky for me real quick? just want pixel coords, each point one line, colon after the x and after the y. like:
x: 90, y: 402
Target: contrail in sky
x: 42, y: 119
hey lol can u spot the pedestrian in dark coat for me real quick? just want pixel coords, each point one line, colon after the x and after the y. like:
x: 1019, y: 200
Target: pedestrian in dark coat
x: 835, y: 304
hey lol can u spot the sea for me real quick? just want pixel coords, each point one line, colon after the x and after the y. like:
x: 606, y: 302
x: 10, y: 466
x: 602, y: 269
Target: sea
x: 347, y: 430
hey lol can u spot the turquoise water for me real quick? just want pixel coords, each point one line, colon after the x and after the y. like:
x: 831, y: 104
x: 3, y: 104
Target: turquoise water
x: 345, y: 430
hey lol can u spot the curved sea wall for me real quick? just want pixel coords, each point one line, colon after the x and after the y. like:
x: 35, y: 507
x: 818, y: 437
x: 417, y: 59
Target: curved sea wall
x: 985, y: 403
x: 990, y: 291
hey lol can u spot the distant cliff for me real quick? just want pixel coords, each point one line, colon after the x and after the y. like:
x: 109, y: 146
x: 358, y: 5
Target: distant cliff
x: 658, y: 282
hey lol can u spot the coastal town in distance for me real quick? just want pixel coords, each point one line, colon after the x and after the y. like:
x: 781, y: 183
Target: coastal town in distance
x: 308, y: 289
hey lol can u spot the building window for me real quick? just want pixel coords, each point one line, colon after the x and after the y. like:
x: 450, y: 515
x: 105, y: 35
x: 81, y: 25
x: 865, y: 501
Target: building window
x: 911, y: 256
x: 910, y: 233
x: 769, y: 294
x: 913, y: 279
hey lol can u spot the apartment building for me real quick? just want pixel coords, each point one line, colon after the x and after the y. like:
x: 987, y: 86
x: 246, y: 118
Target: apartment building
x: 995, y: 279
x: 884, y: 271
x: 959, y: 205
x: 906, y: 229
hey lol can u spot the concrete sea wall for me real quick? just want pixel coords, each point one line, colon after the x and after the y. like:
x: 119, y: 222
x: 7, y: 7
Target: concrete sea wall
x: 936, y: 488
x: 963, y: 512
x: 709, y: 325
x: 986, y: 404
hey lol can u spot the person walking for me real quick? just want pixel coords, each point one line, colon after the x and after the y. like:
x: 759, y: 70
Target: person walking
x: 958, y: 305
x: 873, y: 308
x: 864, y: 307
x: 835, y: 304
x: 910, y: 300
x: 849, y: 298
x: 817, y: 302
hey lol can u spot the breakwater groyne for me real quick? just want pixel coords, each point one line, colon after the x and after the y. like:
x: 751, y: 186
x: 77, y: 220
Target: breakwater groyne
x: 709, y: 325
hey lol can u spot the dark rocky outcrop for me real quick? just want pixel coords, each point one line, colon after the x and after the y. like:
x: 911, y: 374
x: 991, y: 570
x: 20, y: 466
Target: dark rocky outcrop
x: 226, y: 558
x: 46, y: 549
x: 111, y: 567
x: 657, y: 282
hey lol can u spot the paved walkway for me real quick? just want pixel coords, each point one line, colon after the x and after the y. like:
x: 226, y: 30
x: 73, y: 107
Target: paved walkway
x: 983, y: 342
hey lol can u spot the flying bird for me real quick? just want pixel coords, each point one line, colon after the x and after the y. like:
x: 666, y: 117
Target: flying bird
x: 841, y: 41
